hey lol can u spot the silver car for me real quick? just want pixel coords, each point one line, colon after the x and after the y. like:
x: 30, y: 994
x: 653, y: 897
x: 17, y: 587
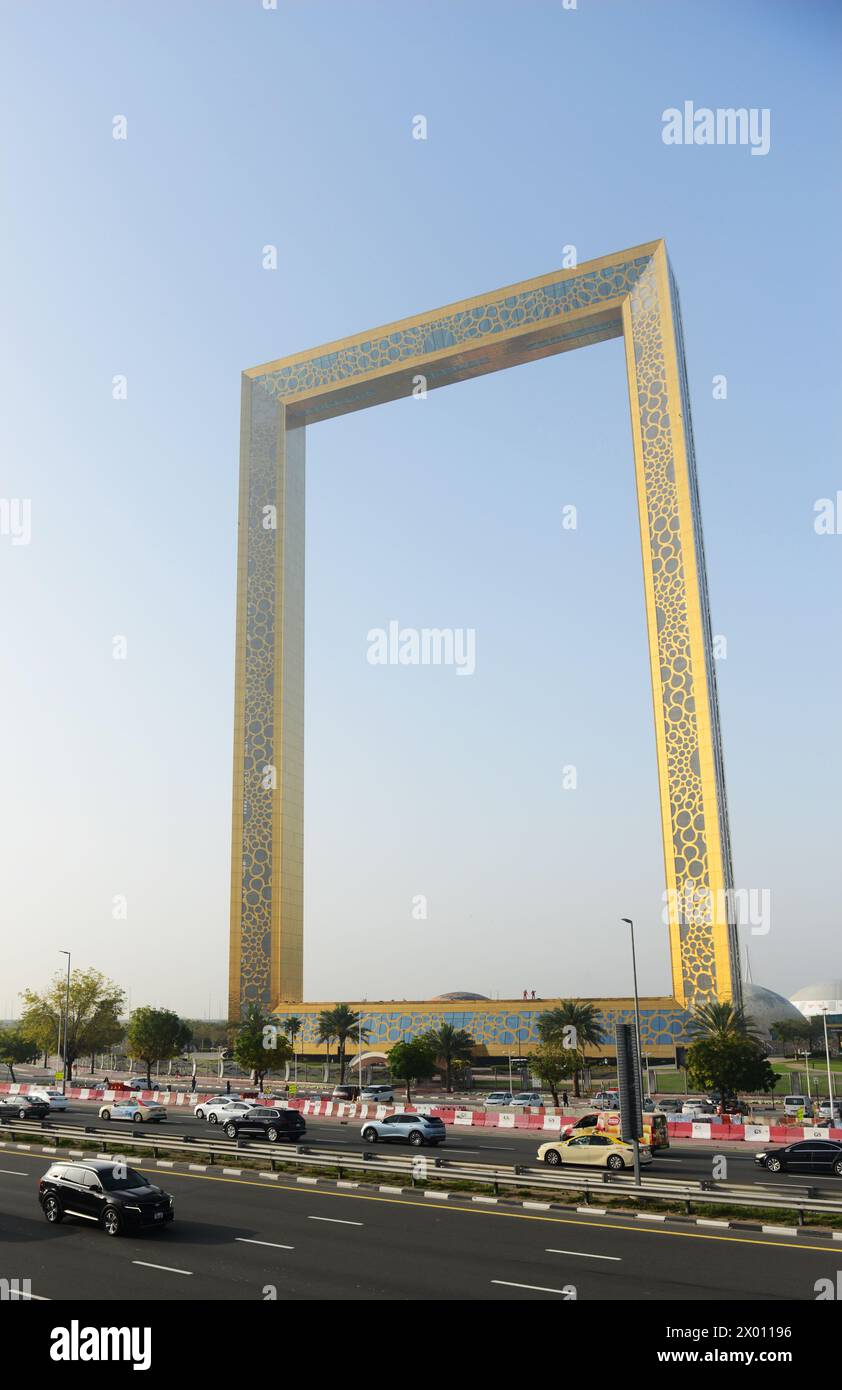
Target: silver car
x: 412, y: 1129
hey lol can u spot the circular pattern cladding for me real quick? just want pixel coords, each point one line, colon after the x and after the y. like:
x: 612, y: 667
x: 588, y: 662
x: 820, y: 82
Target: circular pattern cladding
x: 533, y: 306
x: 258, y: 734
x: 678, y: 699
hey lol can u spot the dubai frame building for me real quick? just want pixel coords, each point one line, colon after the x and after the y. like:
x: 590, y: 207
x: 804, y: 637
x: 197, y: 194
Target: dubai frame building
x: 632, y: 295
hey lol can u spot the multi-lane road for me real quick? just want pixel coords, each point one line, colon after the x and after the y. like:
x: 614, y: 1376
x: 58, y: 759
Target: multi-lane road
x: 500, y: 1147
x: 247, y: 1238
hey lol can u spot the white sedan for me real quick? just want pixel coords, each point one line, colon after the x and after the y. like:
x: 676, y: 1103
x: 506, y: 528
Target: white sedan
x: 136, y: 1111
x: 55, y: 1099
x: 223, y: 1108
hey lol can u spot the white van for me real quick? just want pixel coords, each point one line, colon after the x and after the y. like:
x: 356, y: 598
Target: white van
x: 792, y: 1105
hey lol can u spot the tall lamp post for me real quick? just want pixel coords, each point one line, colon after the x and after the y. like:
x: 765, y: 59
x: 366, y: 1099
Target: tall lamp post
x: 629, y: 923
x: 360, y: 1050
x: 66, y: 1025
x: 830, y: 1113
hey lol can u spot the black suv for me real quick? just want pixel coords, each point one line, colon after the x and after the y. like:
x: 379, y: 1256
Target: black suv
x: 268, y: 1123
x: 106, y: 1192
x: 23, y: 1108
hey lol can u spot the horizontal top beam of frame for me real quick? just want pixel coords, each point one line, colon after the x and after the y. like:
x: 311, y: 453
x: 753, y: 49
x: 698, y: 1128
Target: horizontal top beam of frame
x: 520, y: 323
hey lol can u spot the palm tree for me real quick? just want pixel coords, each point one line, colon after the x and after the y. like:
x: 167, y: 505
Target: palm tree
x: 325, y: 1033
x: 292, y: 1027
x: 452, y: 1045
x: 340, y: 1023
x: 718, y: 1022
x: 575, y: 1024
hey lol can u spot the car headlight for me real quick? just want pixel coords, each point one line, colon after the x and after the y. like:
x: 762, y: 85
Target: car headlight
x: 172, y: 1201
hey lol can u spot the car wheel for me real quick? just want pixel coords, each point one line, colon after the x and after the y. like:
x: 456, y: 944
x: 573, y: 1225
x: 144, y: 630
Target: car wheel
x: 21, y: 1114
x: 615, y: 1162
x: 112, y: 1222
x: 213, y: 1119
x: 105, y: 1114
x: 837, y: 1167
x: 137, y: 1117
x: 774, y: 1165
x: 416, y: 1138
x: 272, y: 1135
x: 200, y: 1114
x: 370, y: 1136
x: 53, y: 1211
x: 231, y: 1131
x: 553, y: 1158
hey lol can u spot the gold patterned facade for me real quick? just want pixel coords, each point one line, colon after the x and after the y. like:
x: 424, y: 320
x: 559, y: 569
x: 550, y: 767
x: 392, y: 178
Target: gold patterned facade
x: 631, y: 294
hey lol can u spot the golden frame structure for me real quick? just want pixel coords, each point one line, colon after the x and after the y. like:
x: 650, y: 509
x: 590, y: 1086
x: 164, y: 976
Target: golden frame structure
x: 630, y: 294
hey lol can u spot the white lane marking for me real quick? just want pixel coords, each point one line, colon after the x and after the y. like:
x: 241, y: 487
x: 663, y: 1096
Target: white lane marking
x: 167, y: 1268
x: 19, y: 1293
x: 334, y: 1221
x: 538, y: 1288
x: 15, y: 1172
x: 244, y: 1240
x: 584, y: 1254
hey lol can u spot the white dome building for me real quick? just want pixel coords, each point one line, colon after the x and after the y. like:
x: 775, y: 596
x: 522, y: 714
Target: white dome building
x: 814, y: 999
x: 765, y: 1008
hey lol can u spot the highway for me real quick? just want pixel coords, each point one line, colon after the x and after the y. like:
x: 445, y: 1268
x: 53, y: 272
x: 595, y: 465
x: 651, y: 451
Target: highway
x: 243, y: 1238
x: 500, y: 1147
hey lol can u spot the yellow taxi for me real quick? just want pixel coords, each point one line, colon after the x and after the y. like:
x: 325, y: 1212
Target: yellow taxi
x: 595, y: 1150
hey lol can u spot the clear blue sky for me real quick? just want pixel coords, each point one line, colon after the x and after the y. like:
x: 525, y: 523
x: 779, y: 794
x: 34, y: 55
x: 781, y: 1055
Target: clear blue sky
x: 143, y: 257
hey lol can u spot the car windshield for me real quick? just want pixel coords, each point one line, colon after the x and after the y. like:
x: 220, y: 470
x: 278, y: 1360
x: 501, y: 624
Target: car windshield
x: 130, y: 1179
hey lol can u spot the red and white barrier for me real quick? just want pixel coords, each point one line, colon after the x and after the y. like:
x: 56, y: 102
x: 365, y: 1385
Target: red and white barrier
x: 475, y: 1119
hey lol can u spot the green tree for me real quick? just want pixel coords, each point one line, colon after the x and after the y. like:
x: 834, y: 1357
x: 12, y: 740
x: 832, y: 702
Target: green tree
x: 451, y: 1045
x: 412, y: 1061
x: 15, y: 1048
x: 155, y: 1035
x: 553, y: 1063
x: 574, y: 1025
x: 799, y: 1034
x: 207, y: 1034
x: 260, y: 1044
x: 730, y: 1063
x: 93, y: 1022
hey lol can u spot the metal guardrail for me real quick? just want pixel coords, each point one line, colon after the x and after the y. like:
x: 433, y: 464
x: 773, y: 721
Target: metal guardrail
x: 419, y: 1169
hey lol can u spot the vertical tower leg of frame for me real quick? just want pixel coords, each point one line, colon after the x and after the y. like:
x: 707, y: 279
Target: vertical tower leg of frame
x: 266, y: 945
x: 703, y: 939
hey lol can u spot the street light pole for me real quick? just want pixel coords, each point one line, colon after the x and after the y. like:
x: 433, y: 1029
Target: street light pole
x: 360, y: 1050
x: 829, y: 1074
x: 630, y: 924
x: 66, y: 1025
x: 635, y: 1137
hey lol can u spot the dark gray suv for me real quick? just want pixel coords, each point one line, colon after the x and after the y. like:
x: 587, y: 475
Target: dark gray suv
x: 265, y: 1122
x: 105, y: 1192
